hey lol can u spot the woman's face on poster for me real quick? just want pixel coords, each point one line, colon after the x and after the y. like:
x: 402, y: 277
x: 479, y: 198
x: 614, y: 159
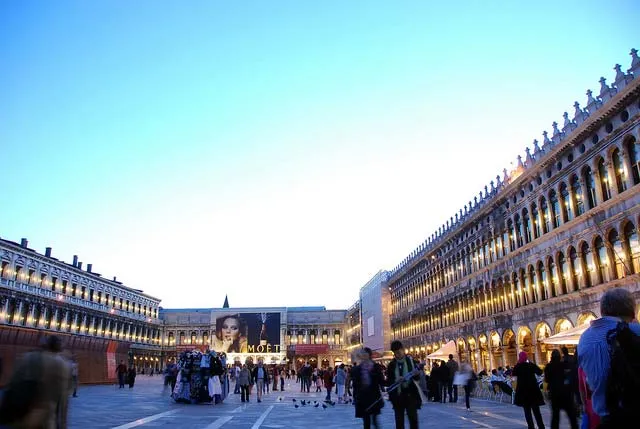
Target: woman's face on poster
x: 230, y: 329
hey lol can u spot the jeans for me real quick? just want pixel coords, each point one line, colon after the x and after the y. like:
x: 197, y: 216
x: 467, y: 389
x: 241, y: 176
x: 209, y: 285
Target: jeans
x: 467, y: 395
x: 328, y: 398
x: 453, y: 392
x: 569, y: 407
x: 536, y: 413
x: 121, y: 380
x: 259, y: 388
x: 409, y: 404
x: 368, y: 419
x: 443, y: 386
x: 244, y: 393
x: 282, y: 384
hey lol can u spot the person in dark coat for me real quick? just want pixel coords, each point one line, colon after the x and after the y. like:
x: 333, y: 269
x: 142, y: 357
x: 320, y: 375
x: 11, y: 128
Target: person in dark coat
x: 131, y: 376
x: 528, y: 393
x: 368, y: 379
x: 404, y: 398
x: 558, y: 375
x: 434, y: 392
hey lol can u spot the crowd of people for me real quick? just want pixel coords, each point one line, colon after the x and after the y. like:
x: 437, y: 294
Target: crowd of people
x: 599, y: 384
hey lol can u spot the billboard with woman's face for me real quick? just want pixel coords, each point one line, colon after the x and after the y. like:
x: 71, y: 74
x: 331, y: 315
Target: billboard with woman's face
x: 247, y: 333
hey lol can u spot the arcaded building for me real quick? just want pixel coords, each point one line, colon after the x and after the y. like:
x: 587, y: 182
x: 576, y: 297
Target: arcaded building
x: 532, y: 254
x: 101, y: 321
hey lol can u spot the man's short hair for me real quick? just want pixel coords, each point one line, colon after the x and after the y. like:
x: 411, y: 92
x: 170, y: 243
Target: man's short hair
x: 450, y: 356
x: 618, y: 302
x: 368, y: 351
x: 396, y: 345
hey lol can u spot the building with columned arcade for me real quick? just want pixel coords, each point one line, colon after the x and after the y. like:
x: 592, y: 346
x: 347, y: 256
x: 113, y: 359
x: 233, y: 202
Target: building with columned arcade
x: 532, y: 254
x: 100, y: 321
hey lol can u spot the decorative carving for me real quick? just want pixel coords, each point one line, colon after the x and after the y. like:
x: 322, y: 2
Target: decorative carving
x: 579, y: 115
x: 606, y: 92
x: 622, y: 79
x: 593, y: 104
x: 635, y: 61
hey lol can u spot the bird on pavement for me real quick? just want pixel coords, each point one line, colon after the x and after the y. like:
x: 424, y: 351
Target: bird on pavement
x: 296, y: 405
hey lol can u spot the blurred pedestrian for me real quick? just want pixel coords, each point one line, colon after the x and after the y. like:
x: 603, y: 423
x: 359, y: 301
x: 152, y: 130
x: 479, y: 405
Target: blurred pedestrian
x: 131, y: 376
x: 38, y: 391
x: 368, y: 379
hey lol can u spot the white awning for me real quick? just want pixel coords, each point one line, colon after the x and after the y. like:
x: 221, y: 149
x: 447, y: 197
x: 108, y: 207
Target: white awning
x: 570, y: 336
x: 444, y: 351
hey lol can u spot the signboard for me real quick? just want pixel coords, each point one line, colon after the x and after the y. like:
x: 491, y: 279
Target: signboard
x: 247, y: 333
x: 311, y: 349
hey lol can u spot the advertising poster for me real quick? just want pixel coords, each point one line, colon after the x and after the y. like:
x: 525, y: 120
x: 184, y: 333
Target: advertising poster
x: 247, y: 333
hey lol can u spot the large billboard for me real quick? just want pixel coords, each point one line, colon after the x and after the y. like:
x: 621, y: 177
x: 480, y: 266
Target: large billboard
x: 247, y: 333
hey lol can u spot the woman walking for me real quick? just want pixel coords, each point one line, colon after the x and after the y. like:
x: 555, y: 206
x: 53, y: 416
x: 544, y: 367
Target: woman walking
x: 328, y: 383
x: 244, y: 378
x: 528, y: 393
x: 467, y: 379
x: 367, y: 378
x: 341, y: 379
x: 558, y: 375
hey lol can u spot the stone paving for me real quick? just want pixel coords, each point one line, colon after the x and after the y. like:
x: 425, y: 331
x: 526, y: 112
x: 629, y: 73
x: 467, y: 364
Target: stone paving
x: 146, y: 406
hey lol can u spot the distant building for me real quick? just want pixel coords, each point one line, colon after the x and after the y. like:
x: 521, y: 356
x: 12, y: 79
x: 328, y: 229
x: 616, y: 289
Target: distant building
x: 276, y: 335
x: 375, y: 305
x: 100, y: 321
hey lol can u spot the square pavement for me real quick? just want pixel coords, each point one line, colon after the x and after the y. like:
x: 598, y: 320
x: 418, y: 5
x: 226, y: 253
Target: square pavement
x: 147, y: 406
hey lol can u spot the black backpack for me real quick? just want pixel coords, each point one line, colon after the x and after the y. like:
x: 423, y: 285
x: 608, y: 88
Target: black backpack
x: 623, y: 384
x: 23, y: 391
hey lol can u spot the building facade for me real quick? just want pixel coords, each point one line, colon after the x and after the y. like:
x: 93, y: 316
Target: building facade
x: 101, y: 321
x: 532, y: 255
x: 375, y: 303
x: 287, y: 336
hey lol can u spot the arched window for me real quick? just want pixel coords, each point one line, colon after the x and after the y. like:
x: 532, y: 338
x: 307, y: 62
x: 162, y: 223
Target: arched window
x: 590, y: 184
x: 603, y: 259
x: 526, y: 222
x: 506, y: 240
x: 512, y: 235
x: 182, y: 338
x: 604, y: 180
x: 618, y: 168
x: 564, y: 274
x: 518, y: 232
x: 516, y: 289
x: 590, y: 277
x: 487, y: 253
x: 546, y: 214
x: 193, y: 337
x: 574, y: 267
x: 553, y: 278
x: 526, y: 287
x: 567, y: 211
x: 171, y: 338
x: 492, y: 250
x: 631, y: 146
x: 577, y: 196
x: 481, y: 259
x: 533, y: 284
x: 555, y: 209
x: 205, y: 338
x: 618, y: 253
x: 544, y: 284
x: 537, y: 227
x: 633, y: 246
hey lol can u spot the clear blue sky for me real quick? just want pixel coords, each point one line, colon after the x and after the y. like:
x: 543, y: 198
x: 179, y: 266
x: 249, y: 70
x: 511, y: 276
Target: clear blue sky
x: 278, y: 151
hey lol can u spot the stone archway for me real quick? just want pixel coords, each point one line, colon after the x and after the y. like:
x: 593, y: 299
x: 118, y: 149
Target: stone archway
x: 495, y: 345
x: 587, y: 317
x: 462, y: 349
x: 509, y: 348
x: 525, y: 342
x: 483, y: 348
x: 562, y: 324
x: 543, y: 331
x: 473, y: 355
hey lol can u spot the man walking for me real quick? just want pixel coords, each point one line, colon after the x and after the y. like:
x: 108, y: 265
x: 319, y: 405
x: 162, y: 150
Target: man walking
x: 452, y: 365
x: 121, y: 372
x: 260, y: 377
x: 405, y: 396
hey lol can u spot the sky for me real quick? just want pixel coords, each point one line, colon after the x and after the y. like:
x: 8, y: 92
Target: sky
x: 278, y: 152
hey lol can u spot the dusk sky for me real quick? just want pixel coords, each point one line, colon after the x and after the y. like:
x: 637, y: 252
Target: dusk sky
x: 280, y: 152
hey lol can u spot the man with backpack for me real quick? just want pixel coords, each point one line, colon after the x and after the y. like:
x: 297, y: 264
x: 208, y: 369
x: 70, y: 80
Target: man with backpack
x: 609, y: 355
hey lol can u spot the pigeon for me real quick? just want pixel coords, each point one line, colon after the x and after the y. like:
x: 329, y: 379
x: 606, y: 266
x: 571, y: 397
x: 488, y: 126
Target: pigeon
x: 279, y: 398
x: 296, y: 405
x: 324, y: 406
x: 303, y: 402
x: 316, y: 405
x: 332, y: 404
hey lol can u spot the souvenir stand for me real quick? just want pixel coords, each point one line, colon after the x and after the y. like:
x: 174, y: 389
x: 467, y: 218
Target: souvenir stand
x: 201, y: 378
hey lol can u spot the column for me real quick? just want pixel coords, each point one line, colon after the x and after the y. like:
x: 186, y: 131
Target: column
x: 32, y: 316
x: 598, y: 182
x: 75, y: 322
